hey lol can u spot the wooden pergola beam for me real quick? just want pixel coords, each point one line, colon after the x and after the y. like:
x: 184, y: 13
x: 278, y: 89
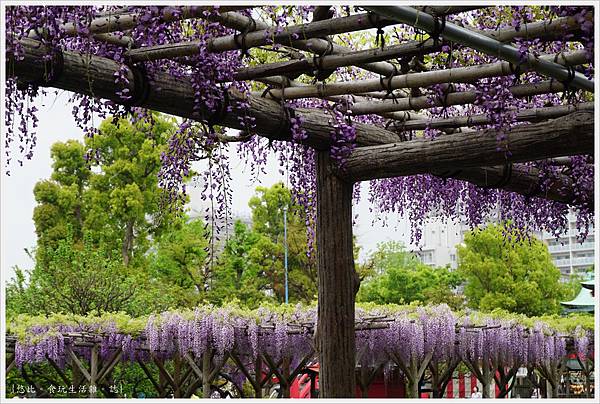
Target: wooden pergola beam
x: 423, y: 79
x: 531, y: 115
x: 489, y: 46
x: 175, y: 96
x: 102, y: 27
x: 540, y: 29
x: 315, y: 45
x: 456, y: 98
x: 568, y: 135
x: 288, y: 36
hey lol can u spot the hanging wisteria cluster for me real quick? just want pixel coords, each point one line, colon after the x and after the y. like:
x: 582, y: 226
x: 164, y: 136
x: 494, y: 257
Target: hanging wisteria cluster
x: 212, y: 76
x: 386, y: 335
x: 423, y: 196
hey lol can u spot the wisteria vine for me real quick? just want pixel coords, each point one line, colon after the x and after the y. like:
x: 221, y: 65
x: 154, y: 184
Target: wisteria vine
x: 212, y: 76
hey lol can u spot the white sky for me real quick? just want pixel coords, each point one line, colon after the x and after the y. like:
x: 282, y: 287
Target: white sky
x: 57, y: 124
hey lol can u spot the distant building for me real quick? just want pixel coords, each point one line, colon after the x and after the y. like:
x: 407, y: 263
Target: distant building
x: 438, y: 243
x: 568, y: 254
x: 440, y: 238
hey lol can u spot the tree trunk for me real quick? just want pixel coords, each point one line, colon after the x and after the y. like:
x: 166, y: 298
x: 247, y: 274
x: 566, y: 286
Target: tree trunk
x: 337, y: 282
x: 412, y: 387
x: 551, y: 389
x: 127, y: 243
x: 486, y: 382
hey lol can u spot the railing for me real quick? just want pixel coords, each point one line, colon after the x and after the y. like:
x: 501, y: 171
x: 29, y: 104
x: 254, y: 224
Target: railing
x: 583, y: 261
x: 559, y: 247
x: 562, y: 262
x: 588, y: 245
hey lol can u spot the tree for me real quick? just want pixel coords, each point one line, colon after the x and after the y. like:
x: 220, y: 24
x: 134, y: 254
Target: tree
x: 103, y: 198
x: 179, y: 262
x: 240, y: 274
x: 398, y: 276
x: 106, y: 187
x: 507, y: 272
x: 267, y: 221
x: 251, y: 266
x: 81, y: 278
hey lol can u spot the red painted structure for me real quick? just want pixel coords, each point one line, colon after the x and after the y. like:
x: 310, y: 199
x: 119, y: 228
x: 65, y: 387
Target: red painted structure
x: 394, y: 387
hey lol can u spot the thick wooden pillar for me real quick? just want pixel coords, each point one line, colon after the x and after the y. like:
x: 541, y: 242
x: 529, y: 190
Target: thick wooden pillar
x: 206, y: 370
x: 337, y: 282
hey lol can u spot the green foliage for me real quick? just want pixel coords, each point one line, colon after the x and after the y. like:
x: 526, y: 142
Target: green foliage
x: 94, y: 220
x: 81, y: 278
x: 240, y: 276
x: 505, y: 273
x: 398, y: 276
x: 21, y: 326
x: 267, y: 222
x: 179, y: 262
x: 111, y: 196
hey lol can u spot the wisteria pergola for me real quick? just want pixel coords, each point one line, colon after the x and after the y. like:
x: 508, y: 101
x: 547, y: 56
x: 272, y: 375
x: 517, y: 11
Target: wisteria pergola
x: 192, y: 349
x: 507, y: 108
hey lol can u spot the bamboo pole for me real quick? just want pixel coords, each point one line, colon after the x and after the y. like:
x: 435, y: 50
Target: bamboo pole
x: 404, y: 50
x: 415, y: 80
x: 458, y: 98
x: 316, y: 45
x: 102, y: 27
x: 569, y: 135
x: 287, y: 36
x: 532, y: 115
x: 453, y: 32
x: 124, y: 21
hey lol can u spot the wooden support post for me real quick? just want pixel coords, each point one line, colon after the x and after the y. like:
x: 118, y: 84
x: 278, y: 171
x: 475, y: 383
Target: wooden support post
x: 159, y: 389
x: 59, y: 371
x: 253, y: 379
x: 313, y: 385
x: 285, y: 373
x: 362, y: 381
x: 164, y: 375
x: 110, y: 364
x: 337, y: 282
x: 80, y: 369
x: 10, y: 363
x: 206, y: 370
x: 93, y: 370
x: 258, y: 376
x: 177, y: 379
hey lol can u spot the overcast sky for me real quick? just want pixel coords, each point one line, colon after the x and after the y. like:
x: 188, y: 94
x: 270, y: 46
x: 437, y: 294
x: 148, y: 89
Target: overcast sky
x: 57, y: 124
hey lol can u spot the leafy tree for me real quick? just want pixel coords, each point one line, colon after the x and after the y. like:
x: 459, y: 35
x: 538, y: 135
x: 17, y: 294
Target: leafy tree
x: 179, y: 262
x: 102, y: 198
x: 267, y: 221
x: 240, y: 275
x: 508, y: 273
x: 81, y: 278
x: 398, y: 276
x: 251, y: 267
x: 106, y: 187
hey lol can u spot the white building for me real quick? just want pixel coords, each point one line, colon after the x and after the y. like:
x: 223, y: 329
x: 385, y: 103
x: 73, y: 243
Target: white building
x: 440, y: 238
x: 438, y: 242
x: 568, y: 254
